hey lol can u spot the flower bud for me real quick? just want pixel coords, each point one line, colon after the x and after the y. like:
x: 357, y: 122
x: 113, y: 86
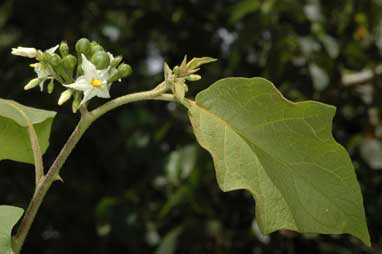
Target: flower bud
x: 50, y: 86
x: 32, y: 84
x: 176, y: 70
x: 193, y: 77
x: 124, y: 70
x: 76, y: 102
x: 101, y: 60
x: 25, y: 52
x: 69, y: 62
x: 65, y: 96
x: 64, y: 49
x: 83, y: 46
x: 179, y: 89
x: 115, y: 62
x: 54, y: 60
x: 95, y: 47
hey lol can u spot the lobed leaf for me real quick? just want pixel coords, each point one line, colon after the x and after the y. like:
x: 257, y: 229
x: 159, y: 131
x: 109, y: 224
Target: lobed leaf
x: 283, y: 153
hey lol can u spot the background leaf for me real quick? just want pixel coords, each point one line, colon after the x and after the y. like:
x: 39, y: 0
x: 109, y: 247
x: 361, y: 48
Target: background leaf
x: 283, y: 153
x: 9, y: 215
x: 168, y: 245
x: 14, y: 140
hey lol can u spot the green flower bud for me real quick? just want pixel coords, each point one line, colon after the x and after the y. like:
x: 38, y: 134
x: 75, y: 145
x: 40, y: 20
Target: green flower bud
x: 54, y: 60
x: 176, y: 70
x: 101, y: 60
x: 115, y: 61
x: 193, y: 77
x: 58, y: 66
x: 51, y: 86
x: 69, y: 62
x: 124, y: 70
x: 95, y: 49
x: 83, y: 46
x: 65, y: 96
x: 32, y: 84
x: 64, y: 49
x: 76, y: 101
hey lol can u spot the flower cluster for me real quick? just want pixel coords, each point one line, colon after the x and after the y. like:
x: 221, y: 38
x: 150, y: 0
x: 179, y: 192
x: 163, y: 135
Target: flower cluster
x: 88, y: 74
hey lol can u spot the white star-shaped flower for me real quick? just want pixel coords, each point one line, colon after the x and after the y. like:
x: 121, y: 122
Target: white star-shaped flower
x: 93, y: 82
x: 43, y: 70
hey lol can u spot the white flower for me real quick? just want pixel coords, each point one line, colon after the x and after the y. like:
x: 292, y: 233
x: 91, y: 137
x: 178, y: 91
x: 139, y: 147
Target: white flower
x: 93, y: 82
x: 43, y: 70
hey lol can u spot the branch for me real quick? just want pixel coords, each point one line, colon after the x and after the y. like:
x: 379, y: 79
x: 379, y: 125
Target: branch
x: 153, y: 94
x: 87, y: 118
x: 362, y: 77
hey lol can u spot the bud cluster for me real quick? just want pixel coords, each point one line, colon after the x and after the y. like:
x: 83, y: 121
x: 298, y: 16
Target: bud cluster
x: 176, y: 78
x: 87, y: 73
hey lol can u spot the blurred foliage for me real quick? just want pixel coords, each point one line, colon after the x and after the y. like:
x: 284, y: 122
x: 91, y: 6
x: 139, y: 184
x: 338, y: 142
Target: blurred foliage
x: 136, y: 183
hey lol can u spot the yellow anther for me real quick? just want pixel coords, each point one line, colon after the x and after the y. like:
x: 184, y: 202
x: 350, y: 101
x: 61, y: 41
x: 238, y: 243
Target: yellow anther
x: 96, y: 83
x: 33, y: 65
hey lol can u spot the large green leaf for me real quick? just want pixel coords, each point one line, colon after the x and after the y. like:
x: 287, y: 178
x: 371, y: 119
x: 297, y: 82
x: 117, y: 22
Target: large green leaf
x: 9, y: 216
x: 283, y: 153
x: 15, y: 119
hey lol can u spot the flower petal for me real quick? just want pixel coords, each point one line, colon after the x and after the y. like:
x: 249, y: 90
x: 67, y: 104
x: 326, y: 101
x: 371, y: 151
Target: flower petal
x: 89, y: 68
x: 42, y: 70
x: 52, y: 49
x: 103, y: 75
x: 81, y: 84
x: 103, y: 91
x: 88, y: 94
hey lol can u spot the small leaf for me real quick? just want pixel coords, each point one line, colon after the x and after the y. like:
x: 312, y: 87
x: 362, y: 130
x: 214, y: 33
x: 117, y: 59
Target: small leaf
x: 198, y: 61
x: 283, y: 153
x: 14, y: 121
x: 9, y: 216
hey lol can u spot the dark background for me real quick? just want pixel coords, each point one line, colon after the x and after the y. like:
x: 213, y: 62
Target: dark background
x: 137, y: 182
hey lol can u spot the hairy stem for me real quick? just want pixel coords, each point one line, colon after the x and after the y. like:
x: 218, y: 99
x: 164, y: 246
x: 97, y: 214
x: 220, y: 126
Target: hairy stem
x: 87, y: 119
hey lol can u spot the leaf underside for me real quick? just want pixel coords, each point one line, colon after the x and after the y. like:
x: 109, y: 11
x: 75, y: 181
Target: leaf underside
x: 9, y: 216
x: 283, y: 153
x: 14, y: 138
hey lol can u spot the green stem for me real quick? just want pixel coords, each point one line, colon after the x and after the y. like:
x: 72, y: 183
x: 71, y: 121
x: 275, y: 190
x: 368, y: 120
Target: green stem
x: 87, y: 118
x: 152, y: 94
